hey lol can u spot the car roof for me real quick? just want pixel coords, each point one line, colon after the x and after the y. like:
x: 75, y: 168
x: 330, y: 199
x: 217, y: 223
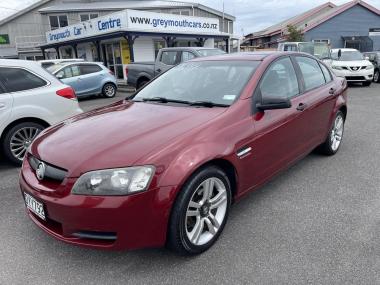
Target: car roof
x: 19, y: 62
x: 188, y: 48
x: 344, y: 49
x: 254, y: 56
x: 61, y: 60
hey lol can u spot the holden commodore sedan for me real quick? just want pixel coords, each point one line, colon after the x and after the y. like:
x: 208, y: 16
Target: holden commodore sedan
x: 164, y: 167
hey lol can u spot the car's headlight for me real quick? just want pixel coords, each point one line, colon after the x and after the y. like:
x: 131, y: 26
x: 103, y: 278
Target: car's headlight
x: 369, y: 67
x: 114, y: 182
x: 336, y: 67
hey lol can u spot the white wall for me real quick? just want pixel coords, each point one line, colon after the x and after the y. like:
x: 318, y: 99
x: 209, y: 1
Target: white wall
x: 209, y: 43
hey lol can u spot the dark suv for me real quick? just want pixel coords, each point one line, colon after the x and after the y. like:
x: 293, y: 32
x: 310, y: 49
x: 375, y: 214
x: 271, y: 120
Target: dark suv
x: 374, y: 57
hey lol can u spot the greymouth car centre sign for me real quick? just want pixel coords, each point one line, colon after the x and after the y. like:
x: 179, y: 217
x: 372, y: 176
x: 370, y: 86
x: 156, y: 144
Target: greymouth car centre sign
x: 132, y: 20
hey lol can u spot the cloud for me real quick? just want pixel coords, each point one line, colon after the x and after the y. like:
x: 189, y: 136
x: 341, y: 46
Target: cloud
x: 250, y: 15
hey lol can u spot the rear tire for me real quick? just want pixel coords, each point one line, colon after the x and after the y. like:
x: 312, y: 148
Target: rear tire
x: 200, y: 212
x: 334, y: 139
x: 142, y: 83
x: 109, y: 90
x: 17, y: 140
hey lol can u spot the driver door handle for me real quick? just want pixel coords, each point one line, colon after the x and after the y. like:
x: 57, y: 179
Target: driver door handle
x: 301, y: 107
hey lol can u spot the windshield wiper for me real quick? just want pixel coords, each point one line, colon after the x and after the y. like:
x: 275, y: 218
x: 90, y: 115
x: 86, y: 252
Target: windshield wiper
x: 165, y: 100
x: 208, y: 104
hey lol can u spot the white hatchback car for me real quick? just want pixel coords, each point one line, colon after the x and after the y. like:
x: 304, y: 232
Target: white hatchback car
x: 31, y: 99
x: 351, y: 64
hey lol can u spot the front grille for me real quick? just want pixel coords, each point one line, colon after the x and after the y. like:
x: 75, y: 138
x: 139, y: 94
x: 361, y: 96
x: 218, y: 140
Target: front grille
x: 353, y: 78
x: 51, y: 172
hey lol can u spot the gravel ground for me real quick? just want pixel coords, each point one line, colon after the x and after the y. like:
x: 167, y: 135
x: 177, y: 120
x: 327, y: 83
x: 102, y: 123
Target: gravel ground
x: 317, y: 223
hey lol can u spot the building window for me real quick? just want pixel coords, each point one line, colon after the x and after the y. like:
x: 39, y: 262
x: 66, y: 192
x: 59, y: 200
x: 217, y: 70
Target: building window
x: 181, y: 12
x: 86, y: 17
x: 327, y: 41
x: 57, y: 22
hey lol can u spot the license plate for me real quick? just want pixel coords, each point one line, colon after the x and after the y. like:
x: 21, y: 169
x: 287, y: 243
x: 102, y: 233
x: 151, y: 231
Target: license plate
x: 35, y: 206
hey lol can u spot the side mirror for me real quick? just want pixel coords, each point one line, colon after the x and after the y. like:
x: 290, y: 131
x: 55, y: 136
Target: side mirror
x: 59, y: 75
x: 272, y: 103
x: 339, y: 53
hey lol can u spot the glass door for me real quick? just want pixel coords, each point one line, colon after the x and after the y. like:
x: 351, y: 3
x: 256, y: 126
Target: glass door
x: 113, y: 57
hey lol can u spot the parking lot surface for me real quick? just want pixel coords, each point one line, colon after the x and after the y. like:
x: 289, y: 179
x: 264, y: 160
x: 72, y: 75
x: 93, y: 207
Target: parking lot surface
x: 316, y: 223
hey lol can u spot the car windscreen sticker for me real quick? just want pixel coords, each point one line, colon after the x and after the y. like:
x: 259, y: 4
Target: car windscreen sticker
x: 229, y: 97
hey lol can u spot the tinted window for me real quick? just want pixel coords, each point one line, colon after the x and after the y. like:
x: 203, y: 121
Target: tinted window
x: 280, y: 80
x: 187, y: 56
x: 17, y: 79
x: 89, y: 68
x: 326, y: 73
x: 169, y: 57
x: 215, y: 81
x: 312, y: 73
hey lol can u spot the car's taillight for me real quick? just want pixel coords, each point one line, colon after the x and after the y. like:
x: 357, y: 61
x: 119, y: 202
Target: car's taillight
x: 67, y: 93
x: 111, y: 72
x: 126, y: 71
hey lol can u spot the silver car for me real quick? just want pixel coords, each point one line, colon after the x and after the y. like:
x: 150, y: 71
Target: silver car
x: 87, y: 78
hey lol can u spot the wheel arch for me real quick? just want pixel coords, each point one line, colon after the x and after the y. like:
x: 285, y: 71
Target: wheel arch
x: 141, y: 79
x: 23, y: 120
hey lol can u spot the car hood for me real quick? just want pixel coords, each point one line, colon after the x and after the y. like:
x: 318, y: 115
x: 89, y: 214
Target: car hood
x: 117, y: 135
x: 351, y: 63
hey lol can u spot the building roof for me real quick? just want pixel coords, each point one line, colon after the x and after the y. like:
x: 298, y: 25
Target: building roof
x: 23, y: 11
x: 338, y: 10
x: 292, y: 21
x: 113, y: 6
x: 316, y: 18
x: 130, y: 4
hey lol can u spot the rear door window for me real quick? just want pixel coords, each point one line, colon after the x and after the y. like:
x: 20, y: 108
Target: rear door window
x: 326, y: 73
x: 18, y: 79
x: 169, y: 57
x: 89, y: 68
x: 311, y: 72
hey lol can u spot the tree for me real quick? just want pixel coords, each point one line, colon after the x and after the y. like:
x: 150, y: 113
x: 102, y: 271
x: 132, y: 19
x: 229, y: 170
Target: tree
x: 294, y: 35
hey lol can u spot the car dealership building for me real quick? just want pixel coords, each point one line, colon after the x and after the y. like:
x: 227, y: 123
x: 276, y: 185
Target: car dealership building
x: 113, y: 32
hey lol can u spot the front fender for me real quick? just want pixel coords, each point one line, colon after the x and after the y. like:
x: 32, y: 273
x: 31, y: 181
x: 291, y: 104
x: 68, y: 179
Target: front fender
x: 190, y: 159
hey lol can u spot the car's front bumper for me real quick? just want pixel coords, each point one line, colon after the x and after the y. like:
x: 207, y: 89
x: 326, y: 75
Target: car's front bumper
x: 355, y: 76
x: 104, y: 222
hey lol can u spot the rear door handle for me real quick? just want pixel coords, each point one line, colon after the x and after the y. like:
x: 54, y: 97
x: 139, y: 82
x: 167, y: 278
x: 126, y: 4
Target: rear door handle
x: 332, y: 91
x: 301, y: 107
x: 2, y: 105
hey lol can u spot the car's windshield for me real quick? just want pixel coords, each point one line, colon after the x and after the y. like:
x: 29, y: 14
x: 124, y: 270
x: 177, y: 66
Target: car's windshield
x: 210, y: 52
x: 55, y: 67
x: 218, y: 82
x: 346, y: 55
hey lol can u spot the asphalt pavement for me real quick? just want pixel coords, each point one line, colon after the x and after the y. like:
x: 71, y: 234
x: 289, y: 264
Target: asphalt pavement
x: 316, y: 223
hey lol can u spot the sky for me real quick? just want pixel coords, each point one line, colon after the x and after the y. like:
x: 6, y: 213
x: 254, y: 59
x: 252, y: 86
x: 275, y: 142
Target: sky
x: 251, y: 15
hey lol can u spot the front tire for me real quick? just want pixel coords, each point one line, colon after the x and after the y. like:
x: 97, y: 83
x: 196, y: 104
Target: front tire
x: 200, y: 212
x: 334, y: 139
x: 376, y: 76
x: 109, y: 90
x: 18, y: 139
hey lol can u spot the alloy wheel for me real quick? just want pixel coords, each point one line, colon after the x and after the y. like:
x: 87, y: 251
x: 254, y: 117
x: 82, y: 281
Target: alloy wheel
x: 206, y: 211
x: 109, y: 90
x: 21, y: 140
x: 337, y: 132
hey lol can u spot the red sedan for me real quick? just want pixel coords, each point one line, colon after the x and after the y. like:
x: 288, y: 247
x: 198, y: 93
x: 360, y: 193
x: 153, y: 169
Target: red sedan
x: 164, y: 167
